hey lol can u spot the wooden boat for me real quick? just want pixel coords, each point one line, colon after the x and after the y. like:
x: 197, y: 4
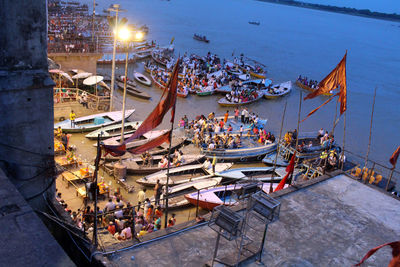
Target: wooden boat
x: 201, y: 38
x: 181, y: 92
x: 255, y: 71
x: 264, y: 83
x: 303, y: 86
x: 254, y: 23
x: 209, y: 90
x: 135, y: 165
x: 278, y: 90
x: 176, y: 194
x: 225, y: 103
x: 162, y: 149
x: 240, y: 154
x: 228, y: 195
x: 141, y: 78
x: 93, y: 122
x: 114, y: 130
x: 161, y: 57
x: 137, y: 142
x: 133, y: 91
x: 128, y: 82
x: 286, y: 151
x: 180, y: 175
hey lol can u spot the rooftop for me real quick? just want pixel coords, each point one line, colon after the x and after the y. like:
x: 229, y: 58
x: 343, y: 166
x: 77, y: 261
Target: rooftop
x: 333, y: 222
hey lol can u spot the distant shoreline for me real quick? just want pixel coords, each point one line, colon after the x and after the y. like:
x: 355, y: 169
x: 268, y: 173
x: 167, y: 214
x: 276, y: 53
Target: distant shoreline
x: 343, y: 10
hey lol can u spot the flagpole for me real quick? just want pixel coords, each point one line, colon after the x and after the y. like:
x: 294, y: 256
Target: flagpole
x: 370, y: 132
x: 278, y: 148
x: 298, y: 129
x: 334, y: 120
x: 169, y: 155
x: 344, y: 138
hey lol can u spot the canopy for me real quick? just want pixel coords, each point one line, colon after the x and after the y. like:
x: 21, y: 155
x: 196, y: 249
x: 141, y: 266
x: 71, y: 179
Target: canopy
x: 93, y: 80
x: 82, y: 75
x: 103, y: 84
x: 62, y: 73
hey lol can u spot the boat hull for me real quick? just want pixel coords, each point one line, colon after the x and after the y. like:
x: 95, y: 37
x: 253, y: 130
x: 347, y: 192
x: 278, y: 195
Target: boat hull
x: 299, y: 84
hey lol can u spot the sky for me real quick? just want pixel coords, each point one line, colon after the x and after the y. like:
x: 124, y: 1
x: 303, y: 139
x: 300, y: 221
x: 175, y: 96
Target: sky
x: 385, y: 6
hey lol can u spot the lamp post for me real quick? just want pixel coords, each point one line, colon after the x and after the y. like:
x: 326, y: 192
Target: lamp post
x: 125, y: 35
x: 115, y: 9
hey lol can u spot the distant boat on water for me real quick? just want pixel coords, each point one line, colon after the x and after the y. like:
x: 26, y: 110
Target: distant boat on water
x: 254, y: 23
x: 200, y: 38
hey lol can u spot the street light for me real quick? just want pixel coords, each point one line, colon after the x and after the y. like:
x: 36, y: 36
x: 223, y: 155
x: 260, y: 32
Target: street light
x: 115, y: 8
x: 124, y: 34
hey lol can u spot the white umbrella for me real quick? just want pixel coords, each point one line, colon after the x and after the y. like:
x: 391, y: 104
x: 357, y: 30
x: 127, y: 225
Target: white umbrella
x: 82, y: 75
x: 92, y: 80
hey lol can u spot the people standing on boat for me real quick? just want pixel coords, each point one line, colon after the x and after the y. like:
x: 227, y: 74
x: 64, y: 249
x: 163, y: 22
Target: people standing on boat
x: 72, y: 117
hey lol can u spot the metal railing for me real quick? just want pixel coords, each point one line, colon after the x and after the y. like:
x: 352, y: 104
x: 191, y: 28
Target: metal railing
x: 95, y: 102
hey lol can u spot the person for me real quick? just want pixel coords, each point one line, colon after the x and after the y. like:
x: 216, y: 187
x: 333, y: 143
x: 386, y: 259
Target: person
x: 242, y: 116
x: 157, y: 192
x: 72, y: 117
x: 320, y: 133
x: 58, y: 133
x: 119, y: 204
x: 170, y: 223
x: 226, y: 116
x: 141, y: 197
x: 146, y: 157
x: 158, y: 213
x: 246, y: 116
x: 109, y: 206
x: 84, y: 100
x: 236, y: 113
x: 111, y: 228
x: 64, y: 141
x: 185, y: 119
x: 126, y: 233
x: 207, y: 164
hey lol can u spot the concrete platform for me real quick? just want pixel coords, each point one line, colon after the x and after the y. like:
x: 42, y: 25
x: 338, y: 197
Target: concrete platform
x: 330, y: 223
x: 25, y: 239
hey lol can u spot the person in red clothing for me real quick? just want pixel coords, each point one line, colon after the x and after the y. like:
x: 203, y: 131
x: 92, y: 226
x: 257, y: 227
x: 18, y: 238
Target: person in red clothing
x: 158, y: 213
x: 111, y: 228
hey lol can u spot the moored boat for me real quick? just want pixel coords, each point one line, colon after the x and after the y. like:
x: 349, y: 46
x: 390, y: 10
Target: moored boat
x: 278, y: 90
x: 114, y: 130
x: 180, y: 175
x: 255, y: 174
x: 228, y: 195
x: 136, y: 166
x: 142, y: 79
x: 254, y: 23
x: 209, y: 90
x: 93, y: 122
x: 133, y: 91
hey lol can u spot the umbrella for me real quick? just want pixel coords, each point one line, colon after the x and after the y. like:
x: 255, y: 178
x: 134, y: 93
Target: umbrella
x: 82, y: 75
x: 104, y: 85
x: 92, y: 80
x: 52, y: 64
x: 62, y: 73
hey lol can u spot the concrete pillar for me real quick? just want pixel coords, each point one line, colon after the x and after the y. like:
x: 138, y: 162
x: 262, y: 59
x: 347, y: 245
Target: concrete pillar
x: 26, y: 99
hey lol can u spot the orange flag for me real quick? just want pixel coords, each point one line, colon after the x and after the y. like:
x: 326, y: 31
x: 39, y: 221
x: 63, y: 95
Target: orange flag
x: 395, y: 155
x: 395, y: 262
x: 289, y: 169
x: 336, y: 78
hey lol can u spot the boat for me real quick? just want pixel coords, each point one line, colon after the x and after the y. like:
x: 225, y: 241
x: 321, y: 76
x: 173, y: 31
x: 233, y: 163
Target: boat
x: 181, y: 92
x: 133, y: 91
x: 228, y: 195
x: 162, y: 56
x: 264, y: 83
x: 135, y: 165
x: 180, y: 175
x: 93, y: 122
x: 226, y: 103
x: 136, y: 142
x: 114, y: 130
x: 121, y: 79
x: 200, y: 38
x: 142, y: 79
x: 209, y: 90
x: 176, y: 194
x: 303, y: 86
x: 309, y: 153
x: 255, y: 174
x: 278, y: 90
x: 240, y: 154
x: 254, y: 23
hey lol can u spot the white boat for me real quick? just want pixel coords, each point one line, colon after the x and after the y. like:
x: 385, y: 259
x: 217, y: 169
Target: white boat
x: 93, y: 122
x: 257, y: 174
x: 114, y: 130
x: 176, y: 194
x: 136, y: 142
x: 222, y: 195
x: 278, y: 90
x: 180, y: 175
x: 142, y: 79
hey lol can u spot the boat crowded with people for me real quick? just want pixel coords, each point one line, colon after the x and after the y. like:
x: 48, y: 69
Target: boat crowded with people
x: 278, y: 90
x: 201, y: 38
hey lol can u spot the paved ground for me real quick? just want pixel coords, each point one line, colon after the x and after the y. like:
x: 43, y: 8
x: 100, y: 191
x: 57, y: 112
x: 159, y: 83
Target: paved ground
x: 332, y: 223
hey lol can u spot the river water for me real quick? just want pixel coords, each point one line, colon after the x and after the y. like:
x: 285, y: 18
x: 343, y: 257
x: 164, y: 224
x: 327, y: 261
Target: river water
x: 290, y: 41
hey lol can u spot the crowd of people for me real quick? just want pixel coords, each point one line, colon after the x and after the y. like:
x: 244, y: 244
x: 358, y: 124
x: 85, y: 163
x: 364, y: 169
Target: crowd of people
x: 310, y: 83
x: 177, y: 158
